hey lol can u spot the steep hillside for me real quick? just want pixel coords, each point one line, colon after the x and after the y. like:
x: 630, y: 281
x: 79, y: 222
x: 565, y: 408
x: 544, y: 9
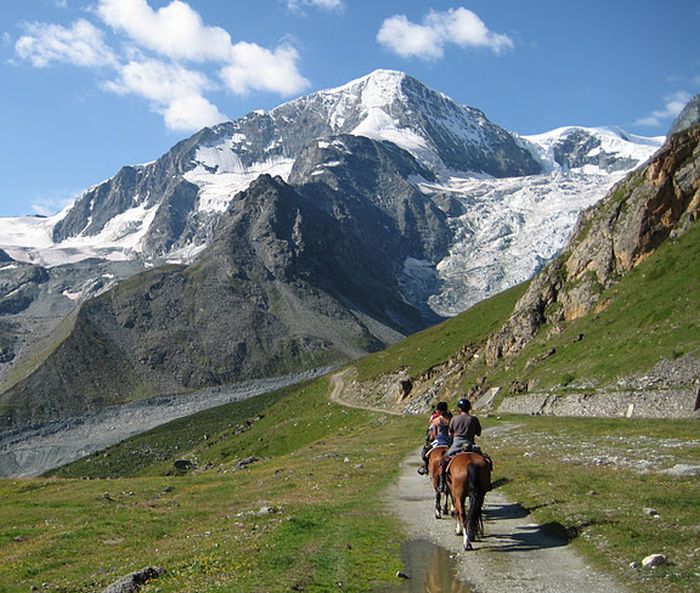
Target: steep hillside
x: 614, y: 318
x: 292, y: 280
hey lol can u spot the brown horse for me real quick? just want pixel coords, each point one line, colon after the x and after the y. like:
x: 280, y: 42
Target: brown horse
x: 434, y: 458
x: 468, y: 474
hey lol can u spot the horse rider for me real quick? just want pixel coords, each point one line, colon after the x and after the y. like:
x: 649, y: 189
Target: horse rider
x: 463, y: 428
x: 438, y: 433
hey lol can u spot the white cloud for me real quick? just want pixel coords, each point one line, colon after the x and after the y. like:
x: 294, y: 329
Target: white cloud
x: 172, y: 90
x: 49, y: 206
x: 408, y: 39
x: 191, y: 113
x: 81, y: 45
x: 256, y: 68
x: 673, y: 105
x: 457, y: 26
x: 176, y: 30
x: 330, y: 5
x: 157, y: 48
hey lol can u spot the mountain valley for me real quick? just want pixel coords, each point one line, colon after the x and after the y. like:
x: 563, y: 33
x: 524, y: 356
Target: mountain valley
x: 329, y: 227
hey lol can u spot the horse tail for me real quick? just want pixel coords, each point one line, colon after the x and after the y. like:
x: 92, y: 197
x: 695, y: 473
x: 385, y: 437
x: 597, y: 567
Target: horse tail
x: 474, y: 521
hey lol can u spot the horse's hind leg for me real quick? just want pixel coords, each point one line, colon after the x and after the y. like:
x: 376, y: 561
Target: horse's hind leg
x: 467, y: 539
x: 458, y: 513
x: 437, y: 504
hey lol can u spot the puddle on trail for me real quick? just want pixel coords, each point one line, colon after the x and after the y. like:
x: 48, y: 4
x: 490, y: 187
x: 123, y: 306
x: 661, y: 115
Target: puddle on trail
x: 431, y: 570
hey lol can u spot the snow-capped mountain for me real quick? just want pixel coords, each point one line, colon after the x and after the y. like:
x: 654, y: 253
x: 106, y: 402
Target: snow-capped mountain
x: 322, y: 230
x: 508, y: 228
x: 592, y: 150
x: 510, y: 201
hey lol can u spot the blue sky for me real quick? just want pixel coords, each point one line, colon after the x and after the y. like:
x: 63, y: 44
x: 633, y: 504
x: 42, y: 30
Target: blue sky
x: 91, y: 85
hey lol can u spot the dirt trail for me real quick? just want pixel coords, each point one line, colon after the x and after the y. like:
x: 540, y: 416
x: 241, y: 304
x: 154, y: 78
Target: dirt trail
x: 516, y: 555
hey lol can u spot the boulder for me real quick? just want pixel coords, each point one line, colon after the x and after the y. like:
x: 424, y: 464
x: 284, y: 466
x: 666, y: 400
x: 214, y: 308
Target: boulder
x: 131, y: 583
x: 654, y: 560
x: 183, y: 464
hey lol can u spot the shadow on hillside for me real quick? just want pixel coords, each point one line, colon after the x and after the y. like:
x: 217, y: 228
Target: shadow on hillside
x: 498, y: 512
x: 525, y: 537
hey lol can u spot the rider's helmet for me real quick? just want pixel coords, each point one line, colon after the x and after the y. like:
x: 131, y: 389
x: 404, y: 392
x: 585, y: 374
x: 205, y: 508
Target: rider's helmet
x: 464, y: 404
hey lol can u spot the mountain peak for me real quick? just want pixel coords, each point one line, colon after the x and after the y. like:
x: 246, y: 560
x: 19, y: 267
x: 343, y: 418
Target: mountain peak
x: 381, y: 77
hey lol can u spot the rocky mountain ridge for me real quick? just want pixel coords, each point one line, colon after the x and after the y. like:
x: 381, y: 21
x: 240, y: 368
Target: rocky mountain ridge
x: 359, y: 240
x: 296, y: 277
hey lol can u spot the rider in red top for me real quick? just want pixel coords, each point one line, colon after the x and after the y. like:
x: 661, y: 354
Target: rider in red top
x: 438, y: 433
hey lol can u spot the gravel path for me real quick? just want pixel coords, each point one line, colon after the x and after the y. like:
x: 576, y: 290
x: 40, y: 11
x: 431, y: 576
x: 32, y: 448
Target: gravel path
x: 515, y: 556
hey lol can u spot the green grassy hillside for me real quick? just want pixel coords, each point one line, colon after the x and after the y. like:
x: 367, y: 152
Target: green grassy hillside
x: 308, y: 514
x: 320, y: 469
x: 653, y: 312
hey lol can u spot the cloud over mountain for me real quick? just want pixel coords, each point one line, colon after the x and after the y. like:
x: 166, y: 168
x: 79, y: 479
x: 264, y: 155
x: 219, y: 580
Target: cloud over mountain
x: 159, y: 50
x: 427, y: 41
x: 673, y: 104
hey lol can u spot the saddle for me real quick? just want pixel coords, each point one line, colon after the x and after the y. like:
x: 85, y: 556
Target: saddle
x: 468, y: 448
x: 436, y: 447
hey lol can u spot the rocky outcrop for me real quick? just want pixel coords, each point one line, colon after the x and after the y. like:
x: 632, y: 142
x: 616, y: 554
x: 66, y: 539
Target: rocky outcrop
x: 688, y: 117
x: 610, y: 239
x: 579, y: 148
x: 19, y: 286
x: 132, y: 583
x: 158, y: 185
x: 659, y: 403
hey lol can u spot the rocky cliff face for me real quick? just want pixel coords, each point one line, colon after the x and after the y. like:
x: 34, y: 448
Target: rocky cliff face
x: 610, y: 239
x: 688, y: 117
x: 294, y: 278
x: 34, y: 300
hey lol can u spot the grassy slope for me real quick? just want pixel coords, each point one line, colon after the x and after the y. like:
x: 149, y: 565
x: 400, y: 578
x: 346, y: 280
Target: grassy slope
x: 204, y: 527
x: 652, y: 313
x: 80, y: 535
x: 435, y: 345
x: 573, y: 474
